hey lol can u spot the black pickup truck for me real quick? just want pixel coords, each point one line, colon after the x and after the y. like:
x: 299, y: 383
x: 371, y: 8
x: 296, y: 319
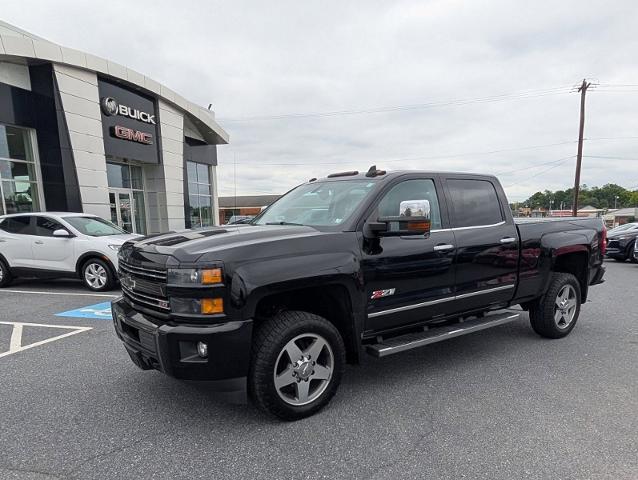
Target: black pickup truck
x: 352, y: 264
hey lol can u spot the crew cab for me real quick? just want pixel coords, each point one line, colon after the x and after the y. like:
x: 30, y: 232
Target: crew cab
x: 353, y: 264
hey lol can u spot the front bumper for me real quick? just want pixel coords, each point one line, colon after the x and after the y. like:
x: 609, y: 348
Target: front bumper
x: 616, y: 253
x: 171, y: 348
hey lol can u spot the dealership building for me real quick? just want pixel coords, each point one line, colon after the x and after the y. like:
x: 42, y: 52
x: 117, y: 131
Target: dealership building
x: 81, y: 133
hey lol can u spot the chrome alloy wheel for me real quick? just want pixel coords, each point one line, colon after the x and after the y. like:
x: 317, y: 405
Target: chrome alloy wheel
x: 1, y: 273
x: 565, y: 307
x: 303, y: 369
x: 95, y: 275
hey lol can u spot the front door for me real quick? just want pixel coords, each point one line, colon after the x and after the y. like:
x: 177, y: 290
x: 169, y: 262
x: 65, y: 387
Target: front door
x: 122, y: 209
x: 408, y: 279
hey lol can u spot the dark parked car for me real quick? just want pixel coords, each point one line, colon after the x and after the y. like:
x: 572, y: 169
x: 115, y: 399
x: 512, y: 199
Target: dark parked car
x: 352, y: 264
x: 621, y: 241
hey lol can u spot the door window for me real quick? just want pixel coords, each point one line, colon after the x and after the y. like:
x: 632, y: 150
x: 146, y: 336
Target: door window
x: 45, y: 226
x: 417, y: 189
x: 20, y: 225
x: 199, y: 194
x: 474, y: 203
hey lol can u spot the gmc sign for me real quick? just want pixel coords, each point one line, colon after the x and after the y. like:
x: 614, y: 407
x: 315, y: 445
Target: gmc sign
x: 126, y: 133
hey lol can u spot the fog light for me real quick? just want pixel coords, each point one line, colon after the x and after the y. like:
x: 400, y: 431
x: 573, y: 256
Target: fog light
x: 211, y: 306
x: 202, y: 349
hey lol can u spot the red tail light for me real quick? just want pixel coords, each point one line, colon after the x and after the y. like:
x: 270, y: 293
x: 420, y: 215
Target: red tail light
x: 603, y: 243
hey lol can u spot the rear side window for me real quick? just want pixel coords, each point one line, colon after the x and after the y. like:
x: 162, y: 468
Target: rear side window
x: 17, y: 225
x: 45, y: 226
x: 474, y: 203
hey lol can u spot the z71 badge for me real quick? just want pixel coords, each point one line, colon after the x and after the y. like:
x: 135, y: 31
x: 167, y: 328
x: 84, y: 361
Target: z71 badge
x: 382, y: 293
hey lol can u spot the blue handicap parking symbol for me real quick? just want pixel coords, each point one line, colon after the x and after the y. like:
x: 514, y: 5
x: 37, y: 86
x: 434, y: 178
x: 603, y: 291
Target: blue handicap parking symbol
x: 99, y: 311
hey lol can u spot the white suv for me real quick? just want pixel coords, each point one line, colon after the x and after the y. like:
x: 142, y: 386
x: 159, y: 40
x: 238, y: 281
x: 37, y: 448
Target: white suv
x: 60, y: 244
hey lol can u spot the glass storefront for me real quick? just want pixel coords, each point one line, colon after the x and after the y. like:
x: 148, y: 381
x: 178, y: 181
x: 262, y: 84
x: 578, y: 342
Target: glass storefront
x: 126, y: 196
x: 19, y: 186
x: 200, y: 198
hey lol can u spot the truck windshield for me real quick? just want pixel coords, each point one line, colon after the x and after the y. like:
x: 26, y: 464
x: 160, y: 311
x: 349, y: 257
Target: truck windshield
x: 317, y: 204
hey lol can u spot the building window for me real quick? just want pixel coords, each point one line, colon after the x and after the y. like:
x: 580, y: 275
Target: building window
x: 19, y: 186
x: 200, y: 199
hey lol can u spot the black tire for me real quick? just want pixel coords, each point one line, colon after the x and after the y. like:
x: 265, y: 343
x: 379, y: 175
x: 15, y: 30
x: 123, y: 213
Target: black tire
x: 93, y: 265
x: 268, y: 354
x: 630, y: 253
x: 543, y: 313
x: 5, y: 275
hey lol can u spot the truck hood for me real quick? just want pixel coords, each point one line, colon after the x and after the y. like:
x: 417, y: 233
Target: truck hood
x: 190, y: 245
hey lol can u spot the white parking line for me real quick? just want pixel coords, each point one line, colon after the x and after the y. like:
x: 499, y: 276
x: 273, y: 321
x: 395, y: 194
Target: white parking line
x: 15, y: 345
x: 36, y: 292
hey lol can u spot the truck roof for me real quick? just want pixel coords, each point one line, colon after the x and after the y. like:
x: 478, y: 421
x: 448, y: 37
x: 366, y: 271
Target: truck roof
x: 379, y: 175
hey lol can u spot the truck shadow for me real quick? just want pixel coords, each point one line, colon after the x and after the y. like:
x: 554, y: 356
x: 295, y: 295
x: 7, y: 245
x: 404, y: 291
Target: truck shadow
x: 439, y: 363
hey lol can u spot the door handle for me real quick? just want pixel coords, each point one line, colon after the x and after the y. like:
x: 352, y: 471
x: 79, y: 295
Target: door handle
x: 39, y: 242
x: 508, y: 240
x: 443, y: 247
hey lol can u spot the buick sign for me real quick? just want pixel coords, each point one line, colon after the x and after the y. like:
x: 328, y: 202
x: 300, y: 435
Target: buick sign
x: 111, y: 107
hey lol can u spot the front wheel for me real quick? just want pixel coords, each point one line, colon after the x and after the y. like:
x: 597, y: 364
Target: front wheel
x: 556, y: 313
x: 97, y: 275
x: 298, y: 359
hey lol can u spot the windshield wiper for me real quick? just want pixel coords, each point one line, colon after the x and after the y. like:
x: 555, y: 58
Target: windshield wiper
x: 284, y: 223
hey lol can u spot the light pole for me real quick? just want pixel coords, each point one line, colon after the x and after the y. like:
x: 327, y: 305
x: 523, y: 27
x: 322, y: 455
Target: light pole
x: 551, y: 204
x: 616, y: 202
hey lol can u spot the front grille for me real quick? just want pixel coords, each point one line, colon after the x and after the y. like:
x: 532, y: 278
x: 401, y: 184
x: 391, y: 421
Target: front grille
x: 145, y: 272
x: 158, y: 303
x: 613, y: 244
x: 144, y: 286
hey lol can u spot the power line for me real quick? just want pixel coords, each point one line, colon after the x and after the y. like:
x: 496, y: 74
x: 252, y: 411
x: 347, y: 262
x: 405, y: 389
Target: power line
x: 560, y: 160
x: 539, y: 173
x: 429, y: 157
x: 610, y: 157
x: 458, y: 102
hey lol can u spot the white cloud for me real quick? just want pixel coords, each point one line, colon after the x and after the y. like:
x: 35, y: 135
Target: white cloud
x: 274, y: 58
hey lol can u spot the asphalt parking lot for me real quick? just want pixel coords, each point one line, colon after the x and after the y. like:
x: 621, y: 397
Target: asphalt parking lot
x: 502, y: 403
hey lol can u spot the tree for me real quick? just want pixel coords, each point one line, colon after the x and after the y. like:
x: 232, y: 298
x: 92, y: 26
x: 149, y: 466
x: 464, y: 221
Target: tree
x: 606, y: 196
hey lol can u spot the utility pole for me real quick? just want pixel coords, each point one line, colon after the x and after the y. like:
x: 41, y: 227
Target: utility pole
x: 583, y: 90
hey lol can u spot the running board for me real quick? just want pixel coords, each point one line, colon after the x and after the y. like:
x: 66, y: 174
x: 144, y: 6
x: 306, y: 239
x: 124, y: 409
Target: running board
x: 438, y: 334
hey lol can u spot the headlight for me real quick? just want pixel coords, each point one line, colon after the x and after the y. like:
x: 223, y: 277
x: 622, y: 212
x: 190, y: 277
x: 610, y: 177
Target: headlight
x: 194, y: 276
x: 115, y: 247
x: 198, y: 306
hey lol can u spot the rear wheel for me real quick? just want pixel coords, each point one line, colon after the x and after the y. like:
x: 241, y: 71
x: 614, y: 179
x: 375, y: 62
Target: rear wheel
x: 297, y: 362
x: 556, y: 313
x: 97, y: 275
x: 5, y: 274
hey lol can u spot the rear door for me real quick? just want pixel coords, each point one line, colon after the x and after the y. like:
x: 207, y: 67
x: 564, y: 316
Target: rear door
x: 49, y: 252
x: 15, y: 241
x: 409, y: 279
x: 486, y: 242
